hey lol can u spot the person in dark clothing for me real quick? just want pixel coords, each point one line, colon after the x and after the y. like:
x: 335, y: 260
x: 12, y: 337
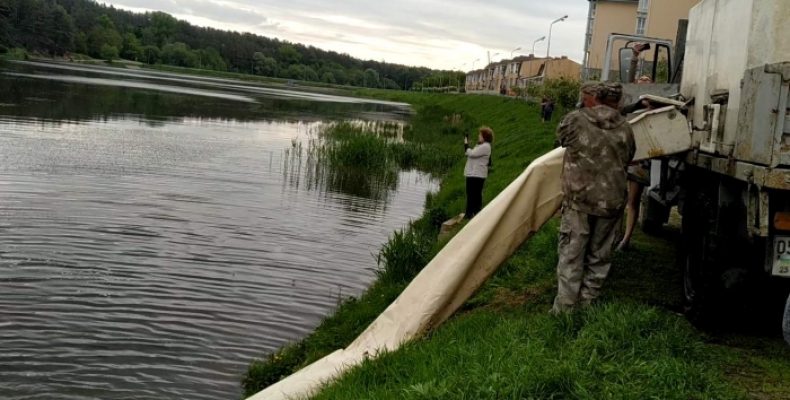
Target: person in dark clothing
x: 546, y: 110
x: 478, y: 160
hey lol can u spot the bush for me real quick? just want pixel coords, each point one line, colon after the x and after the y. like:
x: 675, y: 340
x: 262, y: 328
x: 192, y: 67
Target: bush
x: 180, y: 55
x: 564, y: 92
x: 18, y: 54
x: 519, y: 92
x: 150, y: 54
x: 108, y: 52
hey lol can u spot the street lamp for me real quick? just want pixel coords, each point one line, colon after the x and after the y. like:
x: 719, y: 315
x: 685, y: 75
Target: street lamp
x: 457, y: 77
x: 514, y: 50
x: 540, y: 39
x: 493, y: 56
x: 548, y: 45
x: 473, y: 63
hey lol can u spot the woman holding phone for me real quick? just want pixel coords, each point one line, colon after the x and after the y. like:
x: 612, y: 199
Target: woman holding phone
x: 478, y: 160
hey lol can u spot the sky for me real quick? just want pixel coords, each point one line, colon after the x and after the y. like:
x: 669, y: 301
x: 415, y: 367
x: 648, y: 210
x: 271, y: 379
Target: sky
x: 446, y: 34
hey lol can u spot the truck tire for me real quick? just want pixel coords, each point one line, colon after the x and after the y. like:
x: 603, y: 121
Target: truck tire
x: 720, y: 280
x: 654, y: 215
x: 701, y: 273
x: 786, y: 321
x: 699, y: 292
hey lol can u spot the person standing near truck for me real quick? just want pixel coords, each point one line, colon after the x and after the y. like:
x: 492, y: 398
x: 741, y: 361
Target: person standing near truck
x: 599, y: 146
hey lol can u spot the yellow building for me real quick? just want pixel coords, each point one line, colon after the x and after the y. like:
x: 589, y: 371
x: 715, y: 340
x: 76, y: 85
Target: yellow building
x: 504, y: 76
x: 553, y: 68
x: 653, y: 18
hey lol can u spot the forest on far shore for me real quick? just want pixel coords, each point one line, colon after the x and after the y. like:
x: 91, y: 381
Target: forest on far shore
x: 64, y: 27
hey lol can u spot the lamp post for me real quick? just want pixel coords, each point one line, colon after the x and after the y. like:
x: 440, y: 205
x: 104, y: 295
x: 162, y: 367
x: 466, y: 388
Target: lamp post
x: 514, y: 50
x: 548, y: 44
x: 473, y: 63
x: 493, y: 56
x: 540, y: 39
x: 458, y: 81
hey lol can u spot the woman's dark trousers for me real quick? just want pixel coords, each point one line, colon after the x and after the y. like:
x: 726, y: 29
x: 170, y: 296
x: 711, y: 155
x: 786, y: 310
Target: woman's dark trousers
x: 474, y: 196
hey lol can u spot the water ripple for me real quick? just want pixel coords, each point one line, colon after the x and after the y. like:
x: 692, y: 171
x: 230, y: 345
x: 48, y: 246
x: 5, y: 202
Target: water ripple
x: 141, y: 261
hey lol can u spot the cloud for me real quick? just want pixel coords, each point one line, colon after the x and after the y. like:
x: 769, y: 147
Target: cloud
x: 434, y: 33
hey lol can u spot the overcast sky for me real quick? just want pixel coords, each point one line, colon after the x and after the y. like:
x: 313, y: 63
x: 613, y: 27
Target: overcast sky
x: 433, y: 33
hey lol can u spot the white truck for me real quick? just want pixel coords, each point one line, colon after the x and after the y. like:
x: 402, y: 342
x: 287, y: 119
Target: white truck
x: 732, y: 186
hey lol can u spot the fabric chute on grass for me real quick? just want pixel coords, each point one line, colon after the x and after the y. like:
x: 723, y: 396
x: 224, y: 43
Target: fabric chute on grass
x: 448, y: 280
x: 473, y: 255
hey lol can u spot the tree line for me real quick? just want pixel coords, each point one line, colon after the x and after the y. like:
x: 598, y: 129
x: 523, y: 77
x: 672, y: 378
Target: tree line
x: 66, y: 27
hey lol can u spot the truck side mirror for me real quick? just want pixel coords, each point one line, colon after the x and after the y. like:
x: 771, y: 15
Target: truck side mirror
x: 626, y: 54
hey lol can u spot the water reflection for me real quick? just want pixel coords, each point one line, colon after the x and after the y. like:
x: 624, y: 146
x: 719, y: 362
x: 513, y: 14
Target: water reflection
x: 71, y: 97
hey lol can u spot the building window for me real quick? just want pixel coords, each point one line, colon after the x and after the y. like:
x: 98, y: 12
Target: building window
x: 643, y: 6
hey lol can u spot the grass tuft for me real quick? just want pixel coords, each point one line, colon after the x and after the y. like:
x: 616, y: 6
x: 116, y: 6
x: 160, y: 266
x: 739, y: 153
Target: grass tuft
x: 404, y: 255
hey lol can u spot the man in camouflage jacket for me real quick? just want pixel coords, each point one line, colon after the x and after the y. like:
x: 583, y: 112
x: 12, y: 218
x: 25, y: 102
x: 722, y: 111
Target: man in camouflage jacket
x: 599, y: 145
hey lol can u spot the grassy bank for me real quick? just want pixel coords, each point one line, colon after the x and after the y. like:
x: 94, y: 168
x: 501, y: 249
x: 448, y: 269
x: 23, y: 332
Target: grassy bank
x: 439, y: 124
x: 503, y: 344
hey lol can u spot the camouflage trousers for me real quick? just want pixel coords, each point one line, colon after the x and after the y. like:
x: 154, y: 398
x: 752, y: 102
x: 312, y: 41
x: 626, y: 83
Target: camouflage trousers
x: 585, y: 250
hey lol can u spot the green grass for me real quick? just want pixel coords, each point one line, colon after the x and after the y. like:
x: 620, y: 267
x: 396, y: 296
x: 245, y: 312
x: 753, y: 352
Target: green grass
x: 620, y: 351
x: 631, y: 345
x: 503, y: 344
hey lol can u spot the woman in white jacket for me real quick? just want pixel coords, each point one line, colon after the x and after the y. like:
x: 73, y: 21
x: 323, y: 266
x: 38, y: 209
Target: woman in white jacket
x: 478, y: 160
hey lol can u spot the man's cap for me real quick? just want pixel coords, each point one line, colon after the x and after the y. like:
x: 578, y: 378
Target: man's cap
x: 604, y: 91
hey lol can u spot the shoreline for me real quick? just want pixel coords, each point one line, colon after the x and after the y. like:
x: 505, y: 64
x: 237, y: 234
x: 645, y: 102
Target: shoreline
x: 407, y: 251
x: 121, y: 64
x: 503, y: 343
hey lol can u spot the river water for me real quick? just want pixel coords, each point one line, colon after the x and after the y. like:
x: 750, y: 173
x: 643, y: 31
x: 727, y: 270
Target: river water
x: 158, y: 232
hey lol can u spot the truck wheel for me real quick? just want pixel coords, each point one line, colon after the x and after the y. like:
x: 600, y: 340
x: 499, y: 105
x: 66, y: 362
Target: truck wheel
x: 699, y: 293
x: 700, y: 270
x: 786, y: 321
x: 654, y: 215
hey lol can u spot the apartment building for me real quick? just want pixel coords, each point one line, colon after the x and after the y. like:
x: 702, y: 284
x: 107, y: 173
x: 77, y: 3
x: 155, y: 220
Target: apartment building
x: 653, y: 18
x: 505, y: 75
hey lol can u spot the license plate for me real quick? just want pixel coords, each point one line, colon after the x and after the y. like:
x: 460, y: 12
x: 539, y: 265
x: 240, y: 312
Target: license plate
x: 781, y: 256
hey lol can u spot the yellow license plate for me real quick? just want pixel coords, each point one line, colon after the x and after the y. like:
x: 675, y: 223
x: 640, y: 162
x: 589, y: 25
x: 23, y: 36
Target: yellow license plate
x: 781, y: 256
